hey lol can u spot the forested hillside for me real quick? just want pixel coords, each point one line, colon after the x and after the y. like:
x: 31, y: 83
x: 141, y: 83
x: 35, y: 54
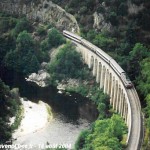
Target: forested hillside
x: 24, y: 46
x: 126, y: 37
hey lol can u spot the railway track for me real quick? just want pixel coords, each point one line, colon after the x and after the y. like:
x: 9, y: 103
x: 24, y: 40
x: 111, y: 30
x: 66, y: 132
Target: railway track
x: 135, y: 138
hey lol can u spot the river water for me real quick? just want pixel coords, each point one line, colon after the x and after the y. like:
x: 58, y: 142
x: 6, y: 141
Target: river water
x: 71, y: 114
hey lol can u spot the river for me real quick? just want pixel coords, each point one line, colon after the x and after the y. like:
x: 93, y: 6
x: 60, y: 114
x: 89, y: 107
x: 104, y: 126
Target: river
x: 71, y: 113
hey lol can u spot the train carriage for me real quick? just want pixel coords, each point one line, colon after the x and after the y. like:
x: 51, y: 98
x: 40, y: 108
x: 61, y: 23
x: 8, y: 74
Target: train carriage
x: 113, y: 64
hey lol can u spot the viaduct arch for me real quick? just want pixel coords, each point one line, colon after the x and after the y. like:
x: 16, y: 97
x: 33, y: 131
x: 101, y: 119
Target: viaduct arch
x: 124, y: 101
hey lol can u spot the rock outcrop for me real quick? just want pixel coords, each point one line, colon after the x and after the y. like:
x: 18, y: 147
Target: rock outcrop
x: 40, y: 78
x: 100, y: 23
x: 134, y: 9
x: 41, y: 10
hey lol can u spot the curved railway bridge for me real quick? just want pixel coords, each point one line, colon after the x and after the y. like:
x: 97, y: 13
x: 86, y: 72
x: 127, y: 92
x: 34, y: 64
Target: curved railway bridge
x: 123, y: 98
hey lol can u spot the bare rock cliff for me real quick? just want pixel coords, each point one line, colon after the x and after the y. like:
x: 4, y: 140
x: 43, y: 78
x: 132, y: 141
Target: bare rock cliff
x: 41, y: 10
x: 100, y: 23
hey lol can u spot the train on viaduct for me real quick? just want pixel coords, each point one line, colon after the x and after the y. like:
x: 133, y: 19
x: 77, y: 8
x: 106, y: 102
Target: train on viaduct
x: 114, y: 81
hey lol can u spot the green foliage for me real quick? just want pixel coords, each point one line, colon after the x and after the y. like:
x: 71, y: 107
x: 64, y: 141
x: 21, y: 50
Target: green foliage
x: 24, y: 42
x: 19, y: 116
x: 146, y: 144
x: 112, y: 17
x: 41, y: 30
x: 90, y: 35
x: 55, y: 38
x: 141, y: 61
x: 18, y: 49
x: 148, y: 109
x: 6, y: 22
x: 22, y: 24
x: 6, y: 44
x: 6, y: 41
x: 23, y: 58
x: 8, y: 108
x: 102, y: 110
x: 83, y: 10
x: 138, y: 53
x: 5, y: 131
x: 81, y: 141
x: 106, y: 134
x: 144, y: 19
x: 123, y: 9
x: 102, y: 41
x: 131, y: 33
x: 144, y: 79
x: 83, y: 90
x: 44, y: 45
x: 101, y: 9
x: 138, y: 2
x: 68, y: 63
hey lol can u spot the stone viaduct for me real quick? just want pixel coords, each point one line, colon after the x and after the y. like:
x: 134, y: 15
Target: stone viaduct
x: 124, y: 101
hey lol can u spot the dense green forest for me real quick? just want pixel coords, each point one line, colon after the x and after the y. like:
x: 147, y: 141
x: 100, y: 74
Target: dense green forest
x: 24, y: 46
x: 9, y: 107
x: 104, y: 135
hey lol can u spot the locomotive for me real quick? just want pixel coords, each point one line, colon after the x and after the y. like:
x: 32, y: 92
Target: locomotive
x: 108, y: 59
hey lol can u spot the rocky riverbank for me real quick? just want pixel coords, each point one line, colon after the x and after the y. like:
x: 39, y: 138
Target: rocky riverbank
x: 39, y: 78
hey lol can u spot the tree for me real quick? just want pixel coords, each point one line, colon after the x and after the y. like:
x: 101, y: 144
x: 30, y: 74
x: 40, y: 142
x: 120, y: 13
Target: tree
x: 22, y: 24
x: 123, y: 9
x: 11, y: 60
x: 29, y: 63
x: 5, y: 131
x: 117, y: 126
x: 104, y: 135
x: 91, y: 35
x: 55, y: 38
x: 144, y: 78
x: 101, y: 109
x: 68, y: 63
x: 24, y: 42
x: 23, y: 58
x: 104, y: 42
x: 113, y: 18
x: 8, y: 108
x: 148, y: 109
x: 45, y: 46
x: 81, y: 141
x: 138, y: 53
x: 131, y: 33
